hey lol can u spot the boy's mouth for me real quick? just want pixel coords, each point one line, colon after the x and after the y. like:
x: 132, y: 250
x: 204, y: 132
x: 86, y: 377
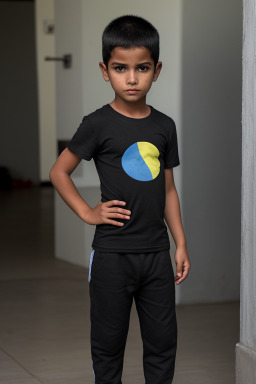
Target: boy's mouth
x: 132, y: 90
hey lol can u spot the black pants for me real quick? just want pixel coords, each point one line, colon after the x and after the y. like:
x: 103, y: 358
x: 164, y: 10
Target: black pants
x: 114, y: 279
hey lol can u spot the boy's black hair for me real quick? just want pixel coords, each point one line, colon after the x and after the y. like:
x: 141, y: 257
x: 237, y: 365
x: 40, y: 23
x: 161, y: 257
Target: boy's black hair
x: 130, y: 31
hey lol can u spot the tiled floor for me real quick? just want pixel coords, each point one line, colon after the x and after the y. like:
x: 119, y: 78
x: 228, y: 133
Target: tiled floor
x: 44, y: 311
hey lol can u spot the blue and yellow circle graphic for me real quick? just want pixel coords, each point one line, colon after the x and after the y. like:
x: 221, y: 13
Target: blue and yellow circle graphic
x: 140, y: 161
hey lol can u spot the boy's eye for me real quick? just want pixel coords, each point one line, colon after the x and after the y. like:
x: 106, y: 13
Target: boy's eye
x: 118, y: 67
x: 142, y: 66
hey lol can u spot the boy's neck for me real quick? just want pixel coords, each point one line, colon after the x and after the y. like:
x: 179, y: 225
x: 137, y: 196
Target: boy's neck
x: 136, y: 110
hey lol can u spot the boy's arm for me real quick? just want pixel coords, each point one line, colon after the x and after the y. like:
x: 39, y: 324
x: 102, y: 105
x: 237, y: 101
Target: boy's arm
x: 59, y: 175
x: 172, y: 217
x: 102, y: 213
x: 172, y: 210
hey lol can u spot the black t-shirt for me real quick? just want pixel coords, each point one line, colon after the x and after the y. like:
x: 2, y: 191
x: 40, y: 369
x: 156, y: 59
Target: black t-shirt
x: 130, y: 156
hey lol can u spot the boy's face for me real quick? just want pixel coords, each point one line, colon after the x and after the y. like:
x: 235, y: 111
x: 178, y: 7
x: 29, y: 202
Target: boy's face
x: 131, y: 68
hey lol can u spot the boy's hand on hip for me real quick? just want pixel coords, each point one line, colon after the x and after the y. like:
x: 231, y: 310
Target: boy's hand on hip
x: 183, y: 264
x: 102, y: 213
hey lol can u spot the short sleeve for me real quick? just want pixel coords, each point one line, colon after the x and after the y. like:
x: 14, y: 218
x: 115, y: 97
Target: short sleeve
x: 171, y: 157
x: 84, y: 141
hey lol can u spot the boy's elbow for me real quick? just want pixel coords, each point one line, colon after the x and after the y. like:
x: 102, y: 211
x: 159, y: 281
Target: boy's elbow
x: 51, y: 174
x: 54, y: 173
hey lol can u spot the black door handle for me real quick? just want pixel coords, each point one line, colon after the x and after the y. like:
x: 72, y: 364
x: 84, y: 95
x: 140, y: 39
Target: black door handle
x: 66, y: 59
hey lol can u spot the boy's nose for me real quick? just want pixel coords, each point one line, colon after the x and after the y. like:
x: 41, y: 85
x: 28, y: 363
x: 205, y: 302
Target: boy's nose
x: 132, y: 77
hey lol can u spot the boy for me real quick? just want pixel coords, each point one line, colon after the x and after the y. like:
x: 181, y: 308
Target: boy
x: 134, y: 147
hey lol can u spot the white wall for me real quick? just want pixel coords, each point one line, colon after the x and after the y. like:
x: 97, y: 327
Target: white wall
x: 246, y: 348
x: 211, y: 138
x: 45, y: 44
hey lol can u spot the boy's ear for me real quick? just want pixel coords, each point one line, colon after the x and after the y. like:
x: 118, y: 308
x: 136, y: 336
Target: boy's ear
x: 157, y: 70
x: 104, y: 71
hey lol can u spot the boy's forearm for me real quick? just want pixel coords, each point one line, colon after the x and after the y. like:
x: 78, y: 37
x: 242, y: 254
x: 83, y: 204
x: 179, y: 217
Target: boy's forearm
x: 64, y: 185
x: 172, y: 217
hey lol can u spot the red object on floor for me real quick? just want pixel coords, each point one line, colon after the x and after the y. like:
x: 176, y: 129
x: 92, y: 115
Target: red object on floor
x: 19, y: 183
